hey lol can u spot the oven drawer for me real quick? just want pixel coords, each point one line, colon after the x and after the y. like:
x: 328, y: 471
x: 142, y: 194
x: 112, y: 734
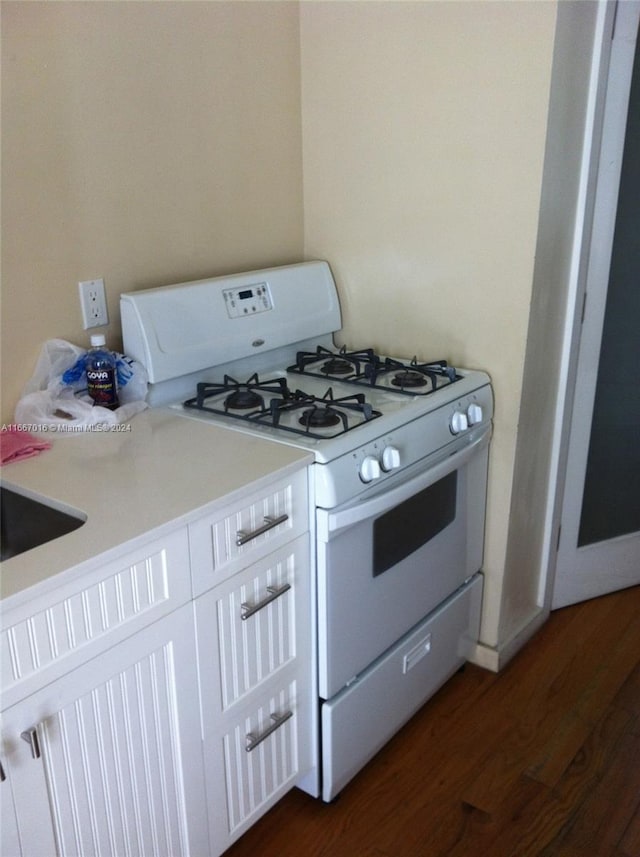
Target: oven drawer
x: 223, y: 543
x: 360, y: 719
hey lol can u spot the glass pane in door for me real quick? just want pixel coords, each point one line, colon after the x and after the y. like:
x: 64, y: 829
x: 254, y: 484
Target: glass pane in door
x: 611, y: 499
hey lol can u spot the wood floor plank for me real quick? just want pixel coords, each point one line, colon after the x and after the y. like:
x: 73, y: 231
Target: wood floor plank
x: 603, y: 787
x: 628, y: 697
x: 630, y: 842
x: 503, y: 832
x: 549, y: 721
x: 575, y: 723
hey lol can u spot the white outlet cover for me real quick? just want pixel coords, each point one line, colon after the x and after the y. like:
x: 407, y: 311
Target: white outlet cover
x: 93, y: 303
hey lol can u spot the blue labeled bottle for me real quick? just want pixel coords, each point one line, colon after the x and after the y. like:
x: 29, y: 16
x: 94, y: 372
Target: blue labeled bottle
x: 102, y: 384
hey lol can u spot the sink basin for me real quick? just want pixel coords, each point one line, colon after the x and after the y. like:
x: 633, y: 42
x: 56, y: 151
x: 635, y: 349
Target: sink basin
x: 27, y: 523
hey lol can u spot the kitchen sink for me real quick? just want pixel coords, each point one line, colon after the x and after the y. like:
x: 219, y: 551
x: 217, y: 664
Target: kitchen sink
x: 27, y: 523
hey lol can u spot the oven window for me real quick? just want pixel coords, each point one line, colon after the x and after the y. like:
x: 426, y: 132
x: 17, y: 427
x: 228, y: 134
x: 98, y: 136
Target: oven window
x: 409, y: 526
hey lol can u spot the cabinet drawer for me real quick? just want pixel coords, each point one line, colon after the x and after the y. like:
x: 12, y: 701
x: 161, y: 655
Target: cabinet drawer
x: 261, y: 752
x: 89, y: 614
x: 223, y: 543
x: 256, y: 623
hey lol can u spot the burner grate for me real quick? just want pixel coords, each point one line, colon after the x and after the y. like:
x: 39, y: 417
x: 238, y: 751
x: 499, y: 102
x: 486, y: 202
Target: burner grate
x: 342, y: 363
x: 320, y: 417
x: 365, y: 367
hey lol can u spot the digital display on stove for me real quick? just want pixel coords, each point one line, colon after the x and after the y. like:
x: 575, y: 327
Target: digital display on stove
x: 246, y: 300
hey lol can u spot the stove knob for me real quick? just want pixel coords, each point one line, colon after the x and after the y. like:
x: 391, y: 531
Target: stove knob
x: 369, y: 468
x: 474, y: 414
x: 390, y: 458
x: 458, y: 422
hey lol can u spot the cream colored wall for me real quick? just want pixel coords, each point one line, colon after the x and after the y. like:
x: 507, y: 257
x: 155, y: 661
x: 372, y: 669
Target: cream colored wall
x: 423, y: 143
x: 150, y: 142
x: 143, y: 142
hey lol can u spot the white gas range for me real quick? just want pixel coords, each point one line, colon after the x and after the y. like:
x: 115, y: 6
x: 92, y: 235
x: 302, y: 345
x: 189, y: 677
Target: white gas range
x: 400, y: 449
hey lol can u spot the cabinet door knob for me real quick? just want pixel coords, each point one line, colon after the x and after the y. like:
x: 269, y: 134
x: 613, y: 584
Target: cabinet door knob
x: 31, y: 737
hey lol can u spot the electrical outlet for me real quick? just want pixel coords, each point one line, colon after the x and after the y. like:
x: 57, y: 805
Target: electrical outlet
x: 93, y: 303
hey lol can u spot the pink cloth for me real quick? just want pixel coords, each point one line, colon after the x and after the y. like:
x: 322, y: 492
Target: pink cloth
x: 16, y: 444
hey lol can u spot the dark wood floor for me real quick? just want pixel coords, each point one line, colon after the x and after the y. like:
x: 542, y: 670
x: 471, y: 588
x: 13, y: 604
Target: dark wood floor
x: 542, y: 759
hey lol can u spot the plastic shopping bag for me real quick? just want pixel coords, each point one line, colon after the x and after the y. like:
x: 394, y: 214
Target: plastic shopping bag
x: 56, y: 395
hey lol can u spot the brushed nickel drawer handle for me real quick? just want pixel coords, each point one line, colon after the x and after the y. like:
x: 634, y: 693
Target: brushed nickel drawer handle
x: 31, y: 737
x: 278, y: 720
x: 242, y: 536
x: 250, y: 609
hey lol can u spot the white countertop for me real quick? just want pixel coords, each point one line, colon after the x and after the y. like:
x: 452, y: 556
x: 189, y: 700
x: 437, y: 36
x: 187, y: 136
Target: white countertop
x: 128, y: 484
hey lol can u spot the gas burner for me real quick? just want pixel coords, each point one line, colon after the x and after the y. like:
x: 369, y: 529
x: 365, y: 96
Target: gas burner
x: 341, y: 363
x: 243, y: 396
x: 242, y: 400
x: 319, y: 417
x: 337, y: 366
x: 408, y: 378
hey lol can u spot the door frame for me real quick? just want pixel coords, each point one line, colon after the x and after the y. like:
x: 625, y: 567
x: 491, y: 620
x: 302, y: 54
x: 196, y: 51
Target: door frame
x: 581, y: 321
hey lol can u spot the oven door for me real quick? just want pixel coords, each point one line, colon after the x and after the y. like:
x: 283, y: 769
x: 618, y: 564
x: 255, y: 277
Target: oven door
x: 386, y: 561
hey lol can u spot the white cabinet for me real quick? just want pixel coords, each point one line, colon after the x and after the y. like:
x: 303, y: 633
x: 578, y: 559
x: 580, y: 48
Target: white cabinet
x: 9, y: 839
x: 256, y: 675
x: 101, y: 744
x: 139, y: 721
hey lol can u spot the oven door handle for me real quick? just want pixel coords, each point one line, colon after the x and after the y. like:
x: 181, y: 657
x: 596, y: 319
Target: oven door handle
x: 330, y: 522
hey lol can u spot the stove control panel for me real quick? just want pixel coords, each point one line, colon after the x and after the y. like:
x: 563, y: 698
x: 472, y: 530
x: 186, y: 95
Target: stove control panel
x: 247, y: 300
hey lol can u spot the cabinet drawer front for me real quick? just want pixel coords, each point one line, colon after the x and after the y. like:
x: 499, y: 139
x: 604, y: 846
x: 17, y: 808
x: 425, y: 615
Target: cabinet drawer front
x: 253, y: 776
x: 250, y: 624
x: 92, y: 614
x: 223, y: 543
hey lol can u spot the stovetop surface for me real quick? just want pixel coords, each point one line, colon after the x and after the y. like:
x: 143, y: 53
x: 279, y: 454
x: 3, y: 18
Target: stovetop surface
x: 291, y: 403
x: 324, y: 393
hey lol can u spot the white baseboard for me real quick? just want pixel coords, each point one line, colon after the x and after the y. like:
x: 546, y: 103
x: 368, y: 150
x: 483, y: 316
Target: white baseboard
x: 495, y: 658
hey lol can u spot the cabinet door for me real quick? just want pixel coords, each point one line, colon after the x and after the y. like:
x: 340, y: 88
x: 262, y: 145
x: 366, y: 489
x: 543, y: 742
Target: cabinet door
x: 9, y: 840
x: 107, y: 760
